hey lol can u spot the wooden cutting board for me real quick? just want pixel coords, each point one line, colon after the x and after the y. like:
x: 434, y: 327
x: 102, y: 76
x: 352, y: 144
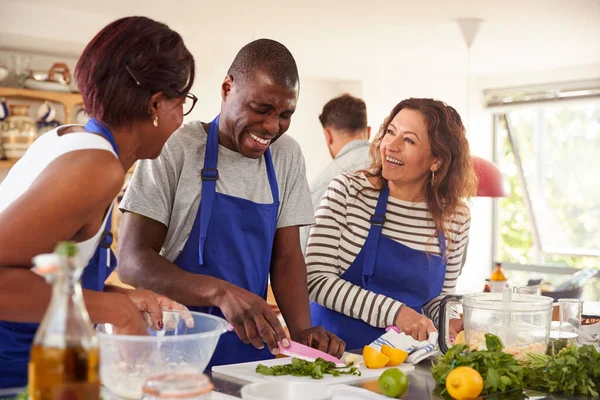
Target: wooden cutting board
x: 247, y: 372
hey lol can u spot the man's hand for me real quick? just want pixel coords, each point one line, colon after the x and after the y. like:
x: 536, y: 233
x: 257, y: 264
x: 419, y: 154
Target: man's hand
x: 251, y: 318
x: 318, y: 338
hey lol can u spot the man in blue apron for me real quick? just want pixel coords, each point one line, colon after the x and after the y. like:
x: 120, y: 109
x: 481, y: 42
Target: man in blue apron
x: 219, y: 212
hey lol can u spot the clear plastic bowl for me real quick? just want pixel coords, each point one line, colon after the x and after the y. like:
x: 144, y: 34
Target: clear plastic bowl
x: 127, y: 361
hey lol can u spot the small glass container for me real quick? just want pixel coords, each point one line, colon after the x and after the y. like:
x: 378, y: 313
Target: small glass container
x: 560, y: 340
x: 178, y: 386
x: 570, y: 311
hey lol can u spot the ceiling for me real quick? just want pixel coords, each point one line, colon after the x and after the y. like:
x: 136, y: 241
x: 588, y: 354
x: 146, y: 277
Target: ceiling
x: 345, y: 39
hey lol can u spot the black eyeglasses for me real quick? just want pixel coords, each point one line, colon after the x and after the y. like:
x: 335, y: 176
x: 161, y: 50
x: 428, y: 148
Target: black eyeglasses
x: 189, y: 103
x: 190, y: 99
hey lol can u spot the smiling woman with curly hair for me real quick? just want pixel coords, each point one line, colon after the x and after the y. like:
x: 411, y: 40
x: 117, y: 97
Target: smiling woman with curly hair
x: 390, y: 241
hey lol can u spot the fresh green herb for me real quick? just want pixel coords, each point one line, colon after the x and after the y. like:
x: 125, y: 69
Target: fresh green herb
x: 493, y: 342
x: 573, y: 371
x: 22, y: 396
x: 500, y: 371
x: 315, y: 369
x: 67, y: 249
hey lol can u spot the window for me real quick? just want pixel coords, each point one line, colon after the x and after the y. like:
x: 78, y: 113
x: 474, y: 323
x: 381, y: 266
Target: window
x: 550, y: 154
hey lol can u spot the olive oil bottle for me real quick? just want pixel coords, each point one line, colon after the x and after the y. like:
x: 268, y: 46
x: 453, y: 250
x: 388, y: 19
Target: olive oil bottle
x: 64, y: 362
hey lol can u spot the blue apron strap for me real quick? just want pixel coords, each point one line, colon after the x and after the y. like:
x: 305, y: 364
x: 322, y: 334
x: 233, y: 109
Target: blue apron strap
x: 107, y: 261
x: 93, y: 125
x: 271, y: 176
x: 372, y: 243
x: 442, y: 241
x: 210, y: 175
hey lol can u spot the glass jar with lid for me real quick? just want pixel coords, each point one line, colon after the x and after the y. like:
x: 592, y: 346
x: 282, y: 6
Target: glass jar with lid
x: 188, y: 386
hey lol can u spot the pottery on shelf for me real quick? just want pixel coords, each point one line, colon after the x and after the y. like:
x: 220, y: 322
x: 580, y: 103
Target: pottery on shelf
x: 18, y: 131
x: 46, y: 118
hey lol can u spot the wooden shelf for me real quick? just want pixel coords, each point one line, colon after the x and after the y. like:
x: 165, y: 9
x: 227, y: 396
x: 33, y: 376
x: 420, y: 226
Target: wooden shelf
x: 59, y: 97
x: 7, y: 164
x: 68, y: 100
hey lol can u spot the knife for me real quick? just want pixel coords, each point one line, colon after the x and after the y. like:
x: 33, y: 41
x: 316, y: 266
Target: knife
x: 303, y: 352
x: 307, y: 353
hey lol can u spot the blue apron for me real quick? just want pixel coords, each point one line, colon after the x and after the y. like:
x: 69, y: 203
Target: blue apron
x: 16, y: 338
x: 231, y: 239
x: 389, y: 268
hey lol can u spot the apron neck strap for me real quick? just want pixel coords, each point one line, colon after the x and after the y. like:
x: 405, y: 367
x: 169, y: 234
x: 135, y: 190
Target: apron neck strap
x: 95, y: 126
x: 442, y: 240
x: 271, y: 176
x: 371, y: 245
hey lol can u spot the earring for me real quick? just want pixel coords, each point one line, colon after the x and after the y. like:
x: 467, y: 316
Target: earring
x: 155, y: 122
x: 432, y: 177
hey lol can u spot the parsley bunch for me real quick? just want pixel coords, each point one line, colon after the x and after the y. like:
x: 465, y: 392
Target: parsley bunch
x: 572, y: 371
x: 315, y: 369
x: 500, y: 371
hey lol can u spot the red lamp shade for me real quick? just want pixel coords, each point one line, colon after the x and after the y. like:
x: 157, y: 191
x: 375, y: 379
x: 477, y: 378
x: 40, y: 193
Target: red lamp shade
x: 490, y: 179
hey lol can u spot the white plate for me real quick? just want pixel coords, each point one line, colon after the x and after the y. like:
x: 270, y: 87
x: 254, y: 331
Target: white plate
x: 50, y: 86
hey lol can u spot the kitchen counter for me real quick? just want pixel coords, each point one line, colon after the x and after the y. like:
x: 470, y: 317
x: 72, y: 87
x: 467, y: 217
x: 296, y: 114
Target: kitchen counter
x: 422, y: 387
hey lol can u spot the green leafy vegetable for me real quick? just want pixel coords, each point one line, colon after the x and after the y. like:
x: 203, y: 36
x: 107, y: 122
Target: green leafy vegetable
x: 500, y: 371
x: 22, y: 396
x: 493, y: 342
x: 573, y: 371
x: 315, y: 369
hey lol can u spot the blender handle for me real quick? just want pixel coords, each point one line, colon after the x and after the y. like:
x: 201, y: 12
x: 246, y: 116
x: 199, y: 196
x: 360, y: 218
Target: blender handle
x: 443, y: 338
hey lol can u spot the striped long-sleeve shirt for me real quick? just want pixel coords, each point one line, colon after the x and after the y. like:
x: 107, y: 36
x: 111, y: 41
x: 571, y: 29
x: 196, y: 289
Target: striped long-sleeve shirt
x: 342, y: 225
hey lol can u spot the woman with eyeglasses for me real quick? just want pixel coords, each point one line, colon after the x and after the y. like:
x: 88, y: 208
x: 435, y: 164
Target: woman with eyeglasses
x: 134, y: 77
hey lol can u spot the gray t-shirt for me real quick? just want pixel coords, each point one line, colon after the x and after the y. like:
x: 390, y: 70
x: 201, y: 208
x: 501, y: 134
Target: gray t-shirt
x: 168, y: 189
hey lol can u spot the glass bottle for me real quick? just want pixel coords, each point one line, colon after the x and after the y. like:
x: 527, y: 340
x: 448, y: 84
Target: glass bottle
x: 498, y: 280
x: 64, y: 362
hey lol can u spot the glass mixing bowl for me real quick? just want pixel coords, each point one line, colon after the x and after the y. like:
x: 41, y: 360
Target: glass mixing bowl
x: 127, y: 361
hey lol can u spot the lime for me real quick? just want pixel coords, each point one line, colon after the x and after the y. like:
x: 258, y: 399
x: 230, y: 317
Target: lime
x: 393, y: 383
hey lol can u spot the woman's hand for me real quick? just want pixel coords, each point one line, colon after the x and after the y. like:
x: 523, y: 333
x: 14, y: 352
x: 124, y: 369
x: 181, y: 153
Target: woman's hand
x: 153, y: 304
x: 455, y: 325
x: 414, y: 324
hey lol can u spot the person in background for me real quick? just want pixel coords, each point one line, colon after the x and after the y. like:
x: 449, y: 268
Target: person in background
x: 218, y: 212
x: 388, y: 242
x: 344, y: 121
x: 134, y: 77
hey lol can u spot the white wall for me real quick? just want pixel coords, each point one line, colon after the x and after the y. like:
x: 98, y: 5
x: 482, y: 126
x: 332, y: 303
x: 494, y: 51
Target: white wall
x: 306, y: 128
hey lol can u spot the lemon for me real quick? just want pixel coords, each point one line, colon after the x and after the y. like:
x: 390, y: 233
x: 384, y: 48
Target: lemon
x: 393, y: 383
x: 464, y: 383
x: 374, y: 359
x: 397, y: 356
x: 460, y: 338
